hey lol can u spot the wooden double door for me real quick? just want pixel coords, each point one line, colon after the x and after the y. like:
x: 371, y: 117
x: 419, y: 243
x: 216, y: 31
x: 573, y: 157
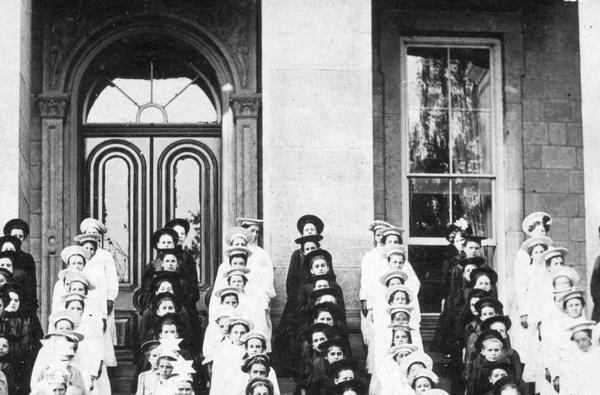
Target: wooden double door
x: 136, y: 179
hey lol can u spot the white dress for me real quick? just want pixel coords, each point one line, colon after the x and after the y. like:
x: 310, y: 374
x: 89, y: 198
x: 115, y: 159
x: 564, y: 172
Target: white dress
x: 368, y: 281
x: 578, y: 374
x: 226, y: 365
x: 91, y: 352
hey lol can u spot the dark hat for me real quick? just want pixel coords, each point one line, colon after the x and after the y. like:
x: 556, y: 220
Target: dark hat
x: 308, y: 239
x: 170, y: 251
x: 507, y: 367
x: 310, y: 219
x: 489, y: 301
x: 476, y: 260
x: 317, y: 293
x: 485, y: 325
x: 318, y: 327
x: 350, y: 385
x: 484, y: 271
x: 11, y: 239
x: 179, y: 221
x: 259, y: 381
x: 16, y: 223
x: 259, y: 358
x: 328, y: 277
x: 172, y: 277
x: 164, y: 231
x: 477, y: 293
x: 342, y: 364
x: 486, y: 335
x: 317, y: 254
x: 475, y: 239
x: 332, y: 308
x: 502, y: 382
x: 334, y: 341
x: 168, y: 317
x: 10, y: 255
x: 163, y: 295
x: 145, y: 347
x: 7, y: 275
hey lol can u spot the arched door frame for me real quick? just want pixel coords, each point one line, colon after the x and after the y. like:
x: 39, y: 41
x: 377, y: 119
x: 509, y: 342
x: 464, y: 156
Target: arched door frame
x: 61, y: 153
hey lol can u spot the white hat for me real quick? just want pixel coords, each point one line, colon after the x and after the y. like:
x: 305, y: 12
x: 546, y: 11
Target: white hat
x: 378, y: 224
x: 92, y: 225
x: 69, y: 251
x: 424, y: 373
x: 538, y: 216
x: 552, y: 252
x: 544, y: 240
x: 249, y: 221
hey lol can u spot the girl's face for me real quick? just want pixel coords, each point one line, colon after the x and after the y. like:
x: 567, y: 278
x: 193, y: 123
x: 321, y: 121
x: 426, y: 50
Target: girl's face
x: 230, y: 300
x: 472, y: 304
x: 344, y: 375
x: 308, y: 247
x: 254, y: 346
x: 415, y: 367
x: 491, y: 350
x: 326, y: 298
x: 2, y: 280
x: 180, y: 233
x: 582, y: 340
x: 165, y: 368
x: 4, y: 346
x: 321, y: 284
x: 378, y: 236
x: 254, y: 231
x: 77, y: 287
x: 165, y: 242
x: 483, y: 282
x: 184, y: 388
x: 562, y: 283
x: 239, y: 242
x: 318, y: 267
x: 153, y: 358
x: 555, y: 262
x: 236, y: 333
x: 14, y: 303
x: 317, y: 339
x: 401, y: 337
x: 497, y: 374
x: 309, y: 229
x: 467, y: 271
x: 8, y: 246
x: 324, y: 317
x: 500, y: 327
x: 396, y: 261
x: 168, y: 331
x: 18, y: 233
x: 236, y: 281
x: 459, y: 241
x: 76, y: 262
x: 75, y: 306
x: 165, y: 286
x: 63, y: 326
x: 487, y: 312
x: 334, y: 353
x: 169, y: 263
x: 395, y: 281
x: 400, y: 356
x: 574, y: 308
x: 422, y: 384
x: 258, y: 370
x: 165, y: 307
x: 260, y: 390
x: 472, y: 249
x: 392, y: 239
x: 539, y: 230
x: 400, y: 318
x: 537, y: 251
x: 400, y: 297
x: 237, y: 261
x: 6, y: 263
x: 90, y: 249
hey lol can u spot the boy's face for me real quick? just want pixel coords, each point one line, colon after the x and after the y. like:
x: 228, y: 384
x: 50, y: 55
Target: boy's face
x: 254, y: 346
x: 574, y: 308
x: 324, y: 317
x: 76, y: 262
x: 317, y: 339
x: 396, y: 261
x: 491, y: 349
x: 399, y: 297
x: 258, y: 370
x: 153, y: 358
x: 169, y: 331
x: 500, y: 327
x: 230, y: 300
x: 497, y: 374
x: 4, y: 346
x: 164, y: 368
x: 401, y: 337
x: 169, y: 263
x: 165, y: 307
x: 308, y: 247
x: 334, y: 353
x: 487, y: 312
x: 321, y: 284
x: 165, y: 286
x: 318, y: 267
x: 236, y: 333
x: 483, y: 282
x: 472, y: 304
x: 582, y: 340
x: 472, y: 249
x: 237, y: 261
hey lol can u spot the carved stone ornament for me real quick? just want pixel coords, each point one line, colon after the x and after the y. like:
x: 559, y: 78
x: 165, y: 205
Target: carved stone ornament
x: 52, y: 105
x: 245, y: 105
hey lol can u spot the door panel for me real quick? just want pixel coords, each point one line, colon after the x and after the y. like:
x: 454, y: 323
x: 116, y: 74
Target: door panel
x: 135, y: 185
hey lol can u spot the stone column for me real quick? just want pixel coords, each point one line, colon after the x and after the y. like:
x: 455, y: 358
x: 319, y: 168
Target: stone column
x: 52, y: 108
x: 246, y: 108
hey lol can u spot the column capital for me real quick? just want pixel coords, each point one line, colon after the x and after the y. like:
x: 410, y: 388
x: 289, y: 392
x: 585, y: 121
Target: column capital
x: 52, y: 105
x: 245, y: 105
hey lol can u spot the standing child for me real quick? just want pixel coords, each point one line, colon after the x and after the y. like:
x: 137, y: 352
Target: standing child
x: 147, y: 380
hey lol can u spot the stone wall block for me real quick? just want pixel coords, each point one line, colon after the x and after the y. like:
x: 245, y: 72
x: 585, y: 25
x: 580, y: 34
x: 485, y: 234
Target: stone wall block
x: 574, y: 134
x: 577, y: 229
x: 535, y: 180
x: 559, y: 181
x: 559, y: 204
x: 532, y: 109
x: 532, y: 156
x: 576, y: 183
x: 557, y: 111
x: 557, y: 133
x: 535, y: 133
x: 559, y: 157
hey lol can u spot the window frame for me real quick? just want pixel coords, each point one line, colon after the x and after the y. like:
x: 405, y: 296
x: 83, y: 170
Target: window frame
x: 494, y: 245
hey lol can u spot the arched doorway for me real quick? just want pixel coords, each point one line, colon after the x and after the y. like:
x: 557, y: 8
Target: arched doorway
x: 150, y: 134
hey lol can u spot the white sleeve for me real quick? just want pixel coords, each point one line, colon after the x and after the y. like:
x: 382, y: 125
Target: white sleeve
x: 364, y: 277
x: 112, y: 278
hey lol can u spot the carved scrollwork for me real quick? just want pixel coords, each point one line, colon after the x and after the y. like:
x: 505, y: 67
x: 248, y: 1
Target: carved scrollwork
x: 52, y: 105
x: 245, y: 105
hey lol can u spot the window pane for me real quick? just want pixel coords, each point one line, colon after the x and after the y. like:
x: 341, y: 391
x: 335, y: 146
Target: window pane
x: 470, y: 78
x: 472, y: 199
x: 428, y: 262
x: 428, y: 141
x: 429, y: 207
x: 471, y: 142
x: 426, y: 69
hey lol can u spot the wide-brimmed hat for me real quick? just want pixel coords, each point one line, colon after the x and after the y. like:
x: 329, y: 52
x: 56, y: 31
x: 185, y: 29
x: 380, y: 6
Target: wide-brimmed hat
x: 154, y: 239
x: 92, y: 224
x: 310, y: 219
x: 538, y: 216
x: 16, y: 223
x: 179, y: 222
